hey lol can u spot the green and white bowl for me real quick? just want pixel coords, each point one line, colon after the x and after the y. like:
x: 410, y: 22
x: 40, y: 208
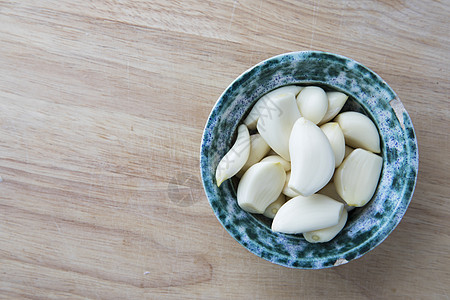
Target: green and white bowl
x: 366, y: 227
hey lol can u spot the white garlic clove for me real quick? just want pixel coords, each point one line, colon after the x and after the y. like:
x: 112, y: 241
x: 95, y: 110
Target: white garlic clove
x: 273, y: 208
x: 312, y: 103
x: 336, y: 101
x: 359, y: 131
x: 336, y: 139
x: 348, y: 150
x: 357, y: 177
x: 330, y: 191
x: 286, y: 189
x: 252, y: 118
x: 258, y: 149
x: 312, y: 158
x: 275, y: 125
x: 255, y: 112
x: 304, y: 214
x: 260, y: 186
x: 326, y: 234
x: 276, y: 158
x: 235, y: 159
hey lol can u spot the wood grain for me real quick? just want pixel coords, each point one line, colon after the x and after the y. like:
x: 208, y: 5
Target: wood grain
x: 102, y: 108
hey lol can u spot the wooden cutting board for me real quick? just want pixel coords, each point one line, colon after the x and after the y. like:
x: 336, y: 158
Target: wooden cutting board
x: 102, y: 108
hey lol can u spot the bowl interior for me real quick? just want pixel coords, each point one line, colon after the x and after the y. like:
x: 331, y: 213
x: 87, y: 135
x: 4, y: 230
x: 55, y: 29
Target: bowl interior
x: 366, y: 227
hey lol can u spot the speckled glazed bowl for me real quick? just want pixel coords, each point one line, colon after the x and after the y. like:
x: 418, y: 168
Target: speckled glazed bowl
x: 366, y: 227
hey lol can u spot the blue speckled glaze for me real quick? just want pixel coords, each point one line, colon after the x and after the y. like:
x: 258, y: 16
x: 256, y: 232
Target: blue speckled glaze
x: 368, y: 226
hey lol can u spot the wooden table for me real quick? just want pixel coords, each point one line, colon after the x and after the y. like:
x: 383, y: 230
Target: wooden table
x: 102, y: 108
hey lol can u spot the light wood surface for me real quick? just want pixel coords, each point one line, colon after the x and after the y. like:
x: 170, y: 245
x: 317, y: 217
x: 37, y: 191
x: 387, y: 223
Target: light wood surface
x: 102, y: 108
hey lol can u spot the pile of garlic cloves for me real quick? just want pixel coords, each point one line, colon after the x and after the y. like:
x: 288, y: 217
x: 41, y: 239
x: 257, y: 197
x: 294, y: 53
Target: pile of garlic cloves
x: 307, y: 165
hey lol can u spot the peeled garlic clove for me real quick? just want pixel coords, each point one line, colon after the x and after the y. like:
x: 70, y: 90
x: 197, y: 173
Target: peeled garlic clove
x: 275, y: 125
x: 359, y: 131
x: 254, y: 114
x: 286, y: 189
x: 312, y: 103
x: 336, y: 139
x: 252, y: 118
x: 330, y: 191
x: 336, y: 101
x: 273, y: 208
x: 357, y: 177
x: 235, y: 159
x: 326, y: 234
x: 276, y: 158
x: 348, y: 150
x: 258, y: 149
x: 260, y: 186
x: 312, y: 158
x: 304, y: 214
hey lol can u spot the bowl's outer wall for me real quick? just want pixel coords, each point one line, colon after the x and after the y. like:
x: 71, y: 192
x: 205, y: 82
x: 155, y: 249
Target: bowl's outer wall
x: 368, y: 226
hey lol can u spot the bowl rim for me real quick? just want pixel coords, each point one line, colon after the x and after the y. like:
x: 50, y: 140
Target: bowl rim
x: 386, y: 228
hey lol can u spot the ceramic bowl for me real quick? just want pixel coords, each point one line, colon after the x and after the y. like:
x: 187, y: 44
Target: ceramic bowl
x: 367, y: 226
